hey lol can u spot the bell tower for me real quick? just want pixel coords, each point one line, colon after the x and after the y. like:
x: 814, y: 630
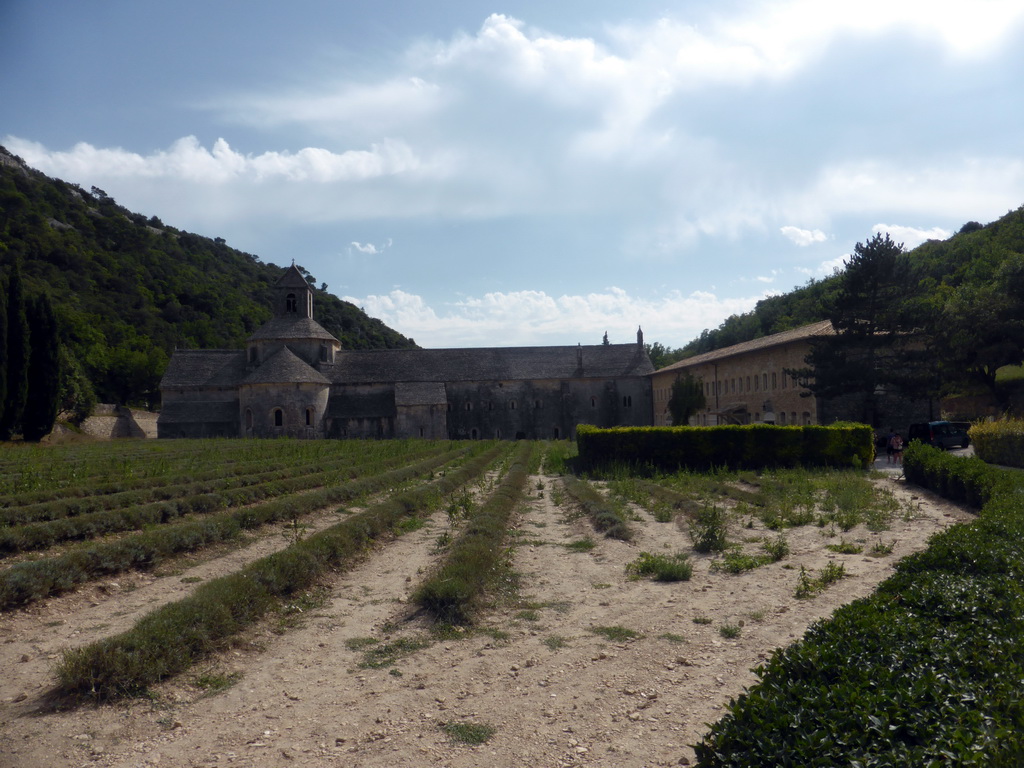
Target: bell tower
x: 293, y: 296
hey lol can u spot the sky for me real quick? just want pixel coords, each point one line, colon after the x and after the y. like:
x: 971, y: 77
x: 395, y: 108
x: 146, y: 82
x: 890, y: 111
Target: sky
x: 531, y: 173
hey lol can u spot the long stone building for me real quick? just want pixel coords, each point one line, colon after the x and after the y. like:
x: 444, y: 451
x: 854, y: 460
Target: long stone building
x: 746, y: 383
x: 293, y: 379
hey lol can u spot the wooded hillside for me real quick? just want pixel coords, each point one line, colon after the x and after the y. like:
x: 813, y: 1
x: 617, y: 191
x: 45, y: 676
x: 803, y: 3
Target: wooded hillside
x: 127, y: 290
x: 978, y: 256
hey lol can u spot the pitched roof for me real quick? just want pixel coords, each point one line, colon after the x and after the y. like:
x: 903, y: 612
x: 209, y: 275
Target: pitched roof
x: 490, y: 364
x: 288, y: 328
x: 292, y: 278
x: 804, y: 332
x: 204, y: 368
x: 285, y: 367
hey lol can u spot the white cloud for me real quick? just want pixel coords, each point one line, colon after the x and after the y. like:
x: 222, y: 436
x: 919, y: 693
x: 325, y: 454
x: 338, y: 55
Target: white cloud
x: 187, y: 160
x: 804, y: 237
x: 911, y: 237
x: 827, y: 268
x: 521, y: 318
x: 369, y: 249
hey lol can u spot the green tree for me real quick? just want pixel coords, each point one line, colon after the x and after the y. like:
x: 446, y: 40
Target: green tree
x: 687, y: 398
x: 17, y: 355
x: 877, y: 332
x: 44, y: 378
x: 3, y: 347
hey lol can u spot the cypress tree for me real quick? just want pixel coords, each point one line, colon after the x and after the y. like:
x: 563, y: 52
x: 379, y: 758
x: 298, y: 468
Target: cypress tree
x: 3, y: 346
x: 17, y: 355
x: 40, y: 411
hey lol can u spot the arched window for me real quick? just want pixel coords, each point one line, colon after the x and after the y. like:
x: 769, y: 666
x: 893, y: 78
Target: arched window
x: 473, y: 434
x: 309, y: 417
x: 512, y: 404
x: 278, y: 417
x: 291, y: 304
x: 469, y: 406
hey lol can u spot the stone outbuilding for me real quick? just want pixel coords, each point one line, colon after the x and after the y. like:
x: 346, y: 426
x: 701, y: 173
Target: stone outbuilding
x: 293, y: 379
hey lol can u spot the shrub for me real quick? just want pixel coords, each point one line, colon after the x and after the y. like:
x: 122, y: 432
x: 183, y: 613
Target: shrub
x: 675, y: 567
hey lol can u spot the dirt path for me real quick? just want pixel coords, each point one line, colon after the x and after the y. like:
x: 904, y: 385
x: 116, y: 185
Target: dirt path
x: 556, y: 692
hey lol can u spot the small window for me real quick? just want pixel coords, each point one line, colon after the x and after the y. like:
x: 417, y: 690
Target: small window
x: 782, y: 418
x: 421, y: 431
x: 291, y: 304
x: 474, y: 434
x: 773, y: 381
x: 593, y: 402
x: 309, y: 417
x: 248, y: 418
x: 537, y: 404
x: 764, y: 381
x: 252, y: 354
x: 558, y: 434
x: 469, y: 406
x: 278, y: 417
x: 627, y: 401
x: 512, y: 404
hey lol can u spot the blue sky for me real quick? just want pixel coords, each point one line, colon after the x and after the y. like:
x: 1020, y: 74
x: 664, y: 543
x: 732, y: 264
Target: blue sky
x: 531, y: 173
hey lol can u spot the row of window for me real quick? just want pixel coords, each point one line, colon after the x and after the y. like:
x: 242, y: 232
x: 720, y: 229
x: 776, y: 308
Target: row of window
x: 755, y: 383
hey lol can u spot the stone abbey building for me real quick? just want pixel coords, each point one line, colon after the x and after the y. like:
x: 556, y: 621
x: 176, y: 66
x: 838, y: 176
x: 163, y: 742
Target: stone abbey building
x: 293, y: 379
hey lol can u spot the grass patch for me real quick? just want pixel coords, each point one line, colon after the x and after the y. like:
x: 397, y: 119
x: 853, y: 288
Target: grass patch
x: 671, y: 637
x: 675, y: 567
x: 555, y: 642
x: 845, y: 548
x: 616, y: 634
x: 473, y: 734
x: 215, y: 682
x: 730, y: 631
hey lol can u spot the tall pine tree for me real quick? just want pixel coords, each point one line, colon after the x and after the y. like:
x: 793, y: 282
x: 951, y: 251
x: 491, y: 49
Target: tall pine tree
x: 3, y: 346
x: 17, y: 355
x: 40, y: 411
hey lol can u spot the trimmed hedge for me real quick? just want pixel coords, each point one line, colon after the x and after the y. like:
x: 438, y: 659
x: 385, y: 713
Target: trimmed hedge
x: 999, y: 442
x: 924, y: 672
x: 750, y: 446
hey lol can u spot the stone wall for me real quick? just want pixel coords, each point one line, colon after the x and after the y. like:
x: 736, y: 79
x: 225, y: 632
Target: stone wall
x: 109, y: 422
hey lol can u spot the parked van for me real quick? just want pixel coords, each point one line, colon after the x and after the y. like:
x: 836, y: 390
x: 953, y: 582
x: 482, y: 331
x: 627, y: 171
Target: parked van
x: 941, y: 434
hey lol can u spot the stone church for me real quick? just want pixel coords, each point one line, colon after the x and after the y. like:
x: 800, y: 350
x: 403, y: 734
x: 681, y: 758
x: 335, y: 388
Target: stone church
x: 293, y: 379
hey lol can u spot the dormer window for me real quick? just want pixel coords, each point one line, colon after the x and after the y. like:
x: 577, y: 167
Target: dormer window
x: 291, y: 304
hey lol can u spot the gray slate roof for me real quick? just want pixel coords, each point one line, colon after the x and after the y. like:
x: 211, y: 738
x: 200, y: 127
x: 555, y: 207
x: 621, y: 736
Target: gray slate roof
x: 490, y: 364
x: 285, y: 367
x: 286, y: 328
x: 204, y: 368
x: 824, y: 328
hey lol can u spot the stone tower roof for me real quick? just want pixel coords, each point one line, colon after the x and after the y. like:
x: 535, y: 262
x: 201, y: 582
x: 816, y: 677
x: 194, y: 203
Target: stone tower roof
x: 288, y: 328
x: 285, y: 367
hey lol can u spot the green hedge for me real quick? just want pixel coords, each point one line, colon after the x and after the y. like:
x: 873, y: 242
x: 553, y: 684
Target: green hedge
x: 999, y: 442
x: 737, y: 447
x: 926, y: 671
